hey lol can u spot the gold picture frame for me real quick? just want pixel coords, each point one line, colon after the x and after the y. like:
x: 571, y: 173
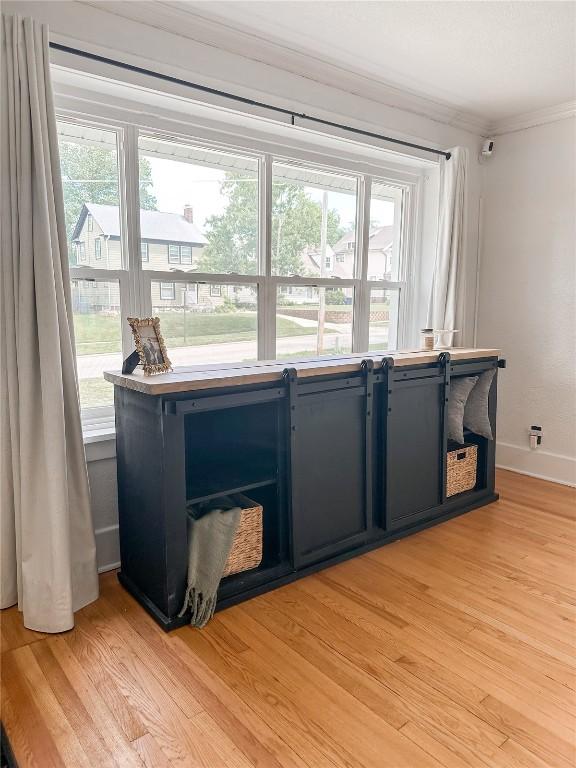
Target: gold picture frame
x: 150, y: 345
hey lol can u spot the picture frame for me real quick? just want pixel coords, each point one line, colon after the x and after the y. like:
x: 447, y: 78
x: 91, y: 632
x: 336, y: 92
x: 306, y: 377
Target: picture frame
x: 150, y: 346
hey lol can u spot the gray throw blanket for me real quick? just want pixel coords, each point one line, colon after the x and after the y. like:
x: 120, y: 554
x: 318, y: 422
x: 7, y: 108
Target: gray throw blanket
x: 210, y: 539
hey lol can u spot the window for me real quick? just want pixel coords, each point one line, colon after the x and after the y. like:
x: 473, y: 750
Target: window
x: 98, y: 335
x: 384, y: 239
x: 90, y: 176
x: 203, y: 198
x: 180, y: 254
x: 90, y: 180
x: 312, y: 211
x: 313, y: 321
x: 244, y: 255
x: 383, y: 321
x: 208, y: 323
x: 167, y: 291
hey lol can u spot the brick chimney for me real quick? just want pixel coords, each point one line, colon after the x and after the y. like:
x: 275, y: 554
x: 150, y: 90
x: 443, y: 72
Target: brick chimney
x: 189, y: 213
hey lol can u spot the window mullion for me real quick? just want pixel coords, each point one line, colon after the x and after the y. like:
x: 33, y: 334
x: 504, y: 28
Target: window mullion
x: 139, y: 302
x: 266, y: 290
x: 361, y: 316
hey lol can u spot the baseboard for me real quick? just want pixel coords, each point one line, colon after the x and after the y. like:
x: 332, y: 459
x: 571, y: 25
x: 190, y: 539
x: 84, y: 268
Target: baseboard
x: 536, y: 463
x: 107, y: 548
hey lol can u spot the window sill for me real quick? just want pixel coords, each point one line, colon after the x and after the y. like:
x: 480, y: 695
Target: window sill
x: 98, y: 435
x: 100, y: 443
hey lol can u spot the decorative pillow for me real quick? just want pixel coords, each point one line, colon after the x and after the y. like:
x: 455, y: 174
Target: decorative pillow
x: 476, y: 417
x: 460, y: 388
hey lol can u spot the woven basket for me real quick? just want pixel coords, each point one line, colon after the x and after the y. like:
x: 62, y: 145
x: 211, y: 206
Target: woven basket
x: 461, y: 468
x: 246, y: 552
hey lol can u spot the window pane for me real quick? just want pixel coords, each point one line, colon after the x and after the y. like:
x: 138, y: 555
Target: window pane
x: 203, y: 323
x: 383, y: 327
x: 313, y: 321
x: 89, y: 163
x: 97, y: 327
x: 203, y: 202
x: 384, y: 242
x: 313, y: 220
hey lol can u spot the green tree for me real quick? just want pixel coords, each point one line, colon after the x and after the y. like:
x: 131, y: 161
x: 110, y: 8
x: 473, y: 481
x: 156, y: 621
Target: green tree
x: 90, y: 175
x: 296, y: 223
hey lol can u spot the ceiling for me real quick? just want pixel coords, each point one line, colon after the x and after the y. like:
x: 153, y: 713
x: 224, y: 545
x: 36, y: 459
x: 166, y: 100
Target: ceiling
x: 492, y: 60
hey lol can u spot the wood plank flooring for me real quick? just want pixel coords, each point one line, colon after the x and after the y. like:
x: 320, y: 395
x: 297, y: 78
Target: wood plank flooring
x: 455, y: 647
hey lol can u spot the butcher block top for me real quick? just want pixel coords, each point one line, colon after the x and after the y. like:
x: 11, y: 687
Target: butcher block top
x: 202, y: 377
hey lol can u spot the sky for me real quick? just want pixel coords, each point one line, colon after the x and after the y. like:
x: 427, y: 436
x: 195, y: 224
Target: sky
x: 178, y: 184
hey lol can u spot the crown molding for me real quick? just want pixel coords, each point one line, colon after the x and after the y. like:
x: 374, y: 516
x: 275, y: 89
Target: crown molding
x: 193, y: 25
x: 532, y: 119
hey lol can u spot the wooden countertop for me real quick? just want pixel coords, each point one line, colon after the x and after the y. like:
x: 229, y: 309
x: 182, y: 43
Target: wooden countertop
x: 199, y: 377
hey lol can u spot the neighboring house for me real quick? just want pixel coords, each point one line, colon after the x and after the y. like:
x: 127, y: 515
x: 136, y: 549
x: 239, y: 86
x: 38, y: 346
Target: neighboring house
x: 339, y: 262
x: 311, y: 266
x: 380, y: 254
x: 169, y: 242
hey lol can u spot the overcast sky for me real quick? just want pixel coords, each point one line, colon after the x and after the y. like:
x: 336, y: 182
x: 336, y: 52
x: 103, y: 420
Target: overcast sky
x: 178, y: 184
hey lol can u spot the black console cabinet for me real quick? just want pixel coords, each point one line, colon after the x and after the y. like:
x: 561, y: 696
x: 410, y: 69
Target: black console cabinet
x: 341, y: 463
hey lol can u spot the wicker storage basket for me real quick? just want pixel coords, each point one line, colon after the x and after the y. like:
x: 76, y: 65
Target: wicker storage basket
x: 246, y: 552
x: 461, y: 468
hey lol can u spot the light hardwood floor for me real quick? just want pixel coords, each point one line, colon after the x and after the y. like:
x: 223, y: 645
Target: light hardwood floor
x: 454, y: 647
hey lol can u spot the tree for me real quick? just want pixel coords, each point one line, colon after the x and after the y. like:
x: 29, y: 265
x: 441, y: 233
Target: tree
x: 90, y: 175
x: 233, y: 235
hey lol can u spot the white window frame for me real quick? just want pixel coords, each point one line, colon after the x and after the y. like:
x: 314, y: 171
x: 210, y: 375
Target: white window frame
x: 135, y: 282
x: 189, y: 248
x: 172, y: 287
x: 145, y: 249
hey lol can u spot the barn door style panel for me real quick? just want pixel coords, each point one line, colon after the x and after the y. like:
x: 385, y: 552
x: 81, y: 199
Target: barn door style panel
x: 328, y: 469
x: 414, y: 445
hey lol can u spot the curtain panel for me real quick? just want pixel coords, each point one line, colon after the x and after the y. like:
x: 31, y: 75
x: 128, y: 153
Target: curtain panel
x: 443, y: 308
x: 48, y: 553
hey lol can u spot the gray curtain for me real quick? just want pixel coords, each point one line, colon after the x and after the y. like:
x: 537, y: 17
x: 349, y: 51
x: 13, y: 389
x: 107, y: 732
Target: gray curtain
x: 443, y: 309
x: 48, y: 562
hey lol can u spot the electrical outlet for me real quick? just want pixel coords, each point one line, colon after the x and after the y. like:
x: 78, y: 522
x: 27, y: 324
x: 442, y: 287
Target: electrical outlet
x: 535, y: 436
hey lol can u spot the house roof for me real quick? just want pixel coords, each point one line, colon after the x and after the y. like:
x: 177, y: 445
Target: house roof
x: 380, y: 239
x: 154, y: 225
x: 311, y: 257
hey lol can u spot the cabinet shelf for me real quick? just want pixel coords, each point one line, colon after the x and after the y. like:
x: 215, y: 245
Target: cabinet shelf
x: 222, y: 483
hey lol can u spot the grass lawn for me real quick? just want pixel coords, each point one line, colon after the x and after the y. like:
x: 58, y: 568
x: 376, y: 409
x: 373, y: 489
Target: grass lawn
x: 100, y: 334
x: 96, y: 392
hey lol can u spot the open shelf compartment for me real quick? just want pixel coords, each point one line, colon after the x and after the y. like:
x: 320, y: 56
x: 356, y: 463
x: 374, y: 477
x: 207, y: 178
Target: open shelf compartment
x: 241, y: 450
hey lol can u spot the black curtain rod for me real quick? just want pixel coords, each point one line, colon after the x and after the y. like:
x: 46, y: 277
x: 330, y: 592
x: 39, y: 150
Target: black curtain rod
x: 242, y: 99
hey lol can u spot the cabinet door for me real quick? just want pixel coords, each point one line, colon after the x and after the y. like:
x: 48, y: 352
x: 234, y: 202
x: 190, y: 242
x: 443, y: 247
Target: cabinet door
x: 328, y: 474
x: 414, y: 438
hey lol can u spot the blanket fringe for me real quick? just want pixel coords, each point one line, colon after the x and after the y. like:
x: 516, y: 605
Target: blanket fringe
x: 202, y: 609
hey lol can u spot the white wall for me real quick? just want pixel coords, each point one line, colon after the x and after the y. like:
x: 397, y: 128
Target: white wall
x: 92, y: 27
x: 527, y: 294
